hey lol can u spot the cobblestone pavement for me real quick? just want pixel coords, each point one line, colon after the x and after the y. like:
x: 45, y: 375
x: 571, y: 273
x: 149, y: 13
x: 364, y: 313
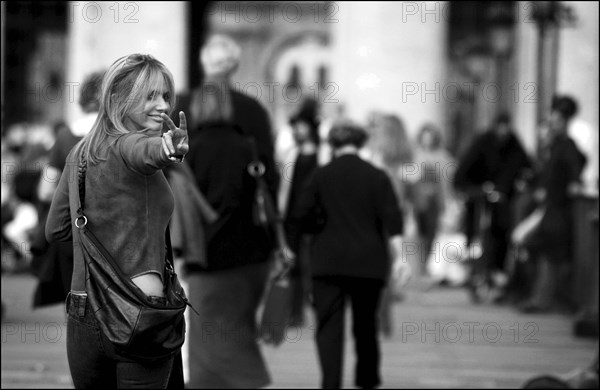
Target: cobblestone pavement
x: 439, y: 339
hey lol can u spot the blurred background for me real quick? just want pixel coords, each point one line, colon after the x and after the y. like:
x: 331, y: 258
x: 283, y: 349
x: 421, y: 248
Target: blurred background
x: 454, y: 64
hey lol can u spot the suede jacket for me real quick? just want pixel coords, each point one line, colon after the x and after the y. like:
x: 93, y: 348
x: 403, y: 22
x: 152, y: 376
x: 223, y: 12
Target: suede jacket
x: 128, y: 204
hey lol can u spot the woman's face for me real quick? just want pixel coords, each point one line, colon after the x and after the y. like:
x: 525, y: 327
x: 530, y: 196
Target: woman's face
x: 301, y: 132
x: 427, y: 140
x: 557, y: 122
x: 545, y: 134
x: 147, y: 115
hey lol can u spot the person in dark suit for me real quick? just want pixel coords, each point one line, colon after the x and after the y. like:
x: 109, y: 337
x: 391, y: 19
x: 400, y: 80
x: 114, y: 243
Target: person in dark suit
x: 302, y: 158
x: 352, y: 208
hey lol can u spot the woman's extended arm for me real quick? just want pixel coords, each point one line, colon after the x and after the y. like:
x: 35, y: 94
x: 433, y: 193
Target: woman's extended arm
x: 401, y: 270
x: 58, y: 223
x: 146, y: 155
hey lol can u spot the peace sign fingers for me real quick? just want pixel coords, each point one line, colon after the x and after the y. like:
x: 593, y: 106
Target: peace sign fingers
x: 175, y: 141
x: 182, y: 121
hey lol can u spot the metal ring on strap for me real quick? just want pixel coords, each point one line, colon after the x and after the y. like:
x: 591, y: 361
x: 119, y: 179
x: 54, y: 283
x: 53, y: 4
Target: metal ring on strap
x: 256, y: 168
x: 84, y: 221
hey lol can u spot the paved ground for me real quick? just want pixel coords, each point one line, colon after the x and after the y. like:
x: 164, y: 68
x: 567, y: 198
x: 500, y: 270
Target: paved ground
x: 440, y: 340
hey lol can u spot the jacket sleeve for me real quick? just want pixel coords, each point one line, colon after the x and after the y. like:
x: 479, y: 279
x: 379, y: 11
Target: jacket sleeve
x: 514, y: 169
x: 58, y: 222
x: 266, y: 149
x: 143, y: 154
x: 388, y: 207
x: 462, y: 178
x: 310, y: 215
x: 574, y: 162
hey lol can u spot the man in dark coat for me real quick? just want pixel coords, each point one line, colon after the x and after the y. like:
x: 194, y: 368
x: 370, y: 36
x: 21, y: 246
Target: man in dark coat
x: 494, y: 162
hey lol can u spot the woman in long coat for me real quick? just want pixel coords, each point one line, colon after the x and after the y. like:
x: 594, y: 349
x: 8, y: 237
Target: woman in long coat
x: 560, y: 174
x: 228, y: 287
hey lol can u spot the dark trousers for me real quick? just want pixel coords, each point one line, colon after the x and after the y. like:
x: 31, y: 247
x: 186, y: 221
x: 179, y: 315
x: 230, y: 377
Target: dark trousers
x: 495, y: 238
x: 427, y: 225
x: 547, y: 291
x: 95, y: 364
x: 329, y: 298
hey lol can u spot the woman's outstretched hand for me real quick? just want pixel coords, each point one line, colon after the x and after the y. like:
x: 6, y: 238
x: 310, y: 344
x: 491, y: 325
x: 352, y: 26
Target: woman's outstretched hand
x: 175, y: 141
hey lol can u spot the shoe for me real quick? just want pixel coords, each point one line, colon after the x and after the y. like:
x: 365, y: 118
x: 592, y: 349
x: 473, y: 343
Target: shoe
x: 501, y: 299
x: 499, y: 279
x: 296, y: 321
x: 532, y: 308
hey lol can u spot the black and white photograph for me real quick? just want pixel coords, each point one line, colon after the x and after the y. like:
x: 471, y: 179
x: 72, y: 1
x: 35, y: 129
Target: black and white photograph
x: 300, y: 194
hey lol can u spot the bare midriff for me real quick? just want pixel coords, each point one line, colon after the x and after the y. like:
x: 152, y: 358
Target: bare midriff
x: 150, y: 283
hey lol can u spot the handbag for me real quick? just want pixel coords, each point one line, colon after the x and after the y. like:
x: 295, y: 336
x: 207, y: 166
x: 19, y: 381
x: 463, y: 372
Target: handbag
x: 277, y: 310
x: 135, y: 325
x: 278, y: 301
x: 264, y: 211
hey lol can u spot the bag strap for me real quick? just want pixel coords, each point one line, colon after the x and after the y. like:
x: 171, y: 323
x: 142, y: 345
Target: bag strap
x: 257, y: 169
x: 169, y: 254
x: 81, y: 170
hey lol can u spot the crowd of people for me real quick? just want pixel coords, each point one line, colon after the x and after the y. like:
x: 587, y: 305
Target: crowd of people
x: 353, y: 200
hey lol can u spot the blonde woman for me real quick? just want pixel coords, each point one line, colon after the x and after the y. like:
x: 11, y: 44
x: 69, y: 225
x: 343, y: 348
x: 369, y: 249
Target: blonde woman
x: 128, y: 205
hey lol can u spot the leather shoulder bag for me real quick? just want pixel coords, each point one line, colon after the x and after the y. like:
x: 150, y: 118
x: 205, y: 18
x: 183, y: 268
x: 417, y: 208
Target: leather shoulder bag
x: 136, y: 326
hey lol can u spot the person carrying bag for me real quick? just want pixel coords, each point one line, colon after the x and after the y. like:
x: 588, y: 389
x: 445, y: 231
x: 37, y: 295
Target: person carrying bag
x: 125, y: 309
x: 134, y: 323
x: 278, y: 300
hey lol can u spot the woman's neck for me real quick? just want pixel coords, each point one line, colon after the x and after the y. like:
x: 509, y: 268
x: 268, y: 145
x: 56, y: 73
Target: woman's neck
x: 348, y: 149
x: 307, y: 148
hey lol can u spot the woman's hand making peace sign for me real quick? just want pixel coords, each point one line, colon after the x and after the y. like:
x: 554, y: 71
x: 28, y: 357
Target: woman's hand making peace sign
x: 175, y: 141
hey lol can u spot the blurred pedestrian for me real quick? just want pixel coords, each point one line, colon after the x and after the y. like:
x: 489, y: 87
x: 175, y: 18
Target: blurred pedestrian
x: 429, y: 188
x: 350, y: 201
x: 390, y: 149
x: 68, y: 136
x: 190, y: 214
x: 24, y: 154
x: 488, y: 172
x: 559, y: 179
x: 219, y: 60
x: 53, y: 263
x: 299, y: 162
x: 223, y: 347
x: 128, y: 204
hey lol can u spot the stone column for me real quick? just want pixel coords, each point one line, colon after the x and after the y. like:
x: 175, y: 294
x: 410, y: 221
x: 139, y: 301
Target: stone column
x: 99, y: 33
x: 390, y: 56
x: 2, y: 32
x: 524, y: 90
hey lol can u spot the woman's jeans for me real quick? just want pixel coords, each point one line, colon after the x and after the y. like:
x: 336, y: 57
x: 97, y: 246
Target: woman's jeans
x: 93, y: 361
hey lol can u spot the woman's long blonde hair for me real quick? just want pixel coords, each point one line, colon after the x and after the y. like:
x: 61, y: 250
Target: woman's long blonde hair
x: 127, y: 85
